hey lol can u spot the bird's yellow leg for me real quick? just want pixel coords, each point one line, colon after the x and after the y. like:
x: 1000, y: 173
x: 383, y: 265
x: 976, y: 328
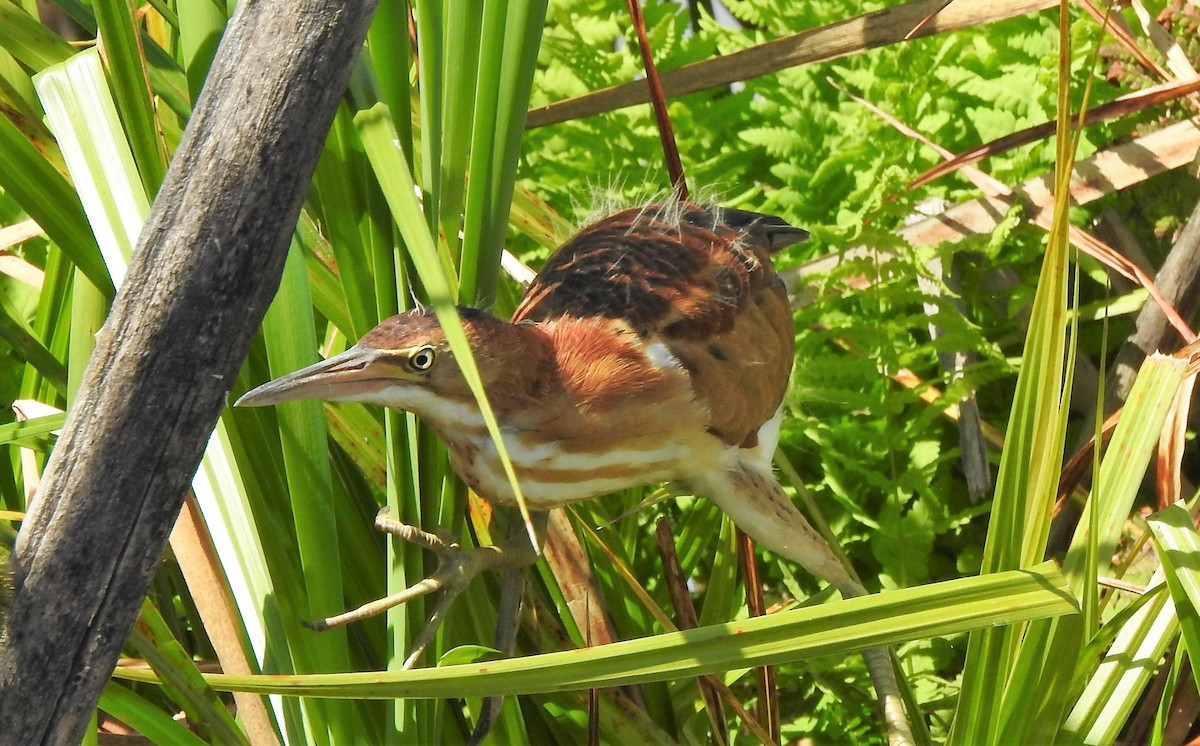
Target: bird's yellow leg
x: 457, y: 567
x: 751, y: 496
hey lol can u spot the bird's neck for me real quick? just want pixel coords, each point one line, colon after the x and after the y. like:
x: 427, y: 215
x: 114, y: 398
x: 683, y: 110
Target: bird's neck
x: 586, y: 406
x: 569, y: 379
x: 604, y: 380
x: 520, y: 360
x: 552, y: 372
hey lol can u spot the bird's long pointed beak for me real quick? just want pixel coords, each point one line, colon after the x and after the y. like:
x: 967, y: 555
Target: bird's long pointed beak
x: 357, y: 371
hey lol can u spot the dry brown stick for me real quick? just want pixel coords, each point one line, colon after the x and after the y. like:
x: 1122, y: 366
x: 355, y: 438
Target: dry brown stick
x: 666, y: 133
x: 768, y: 692
x: 207, y: 263
x: 841, y: 39
x: 912, y: 33
x: 1101, y: 174
x: 192, y: 545
x: 1179, y: 280
x: 685, y: 618
x: 1115, y: 109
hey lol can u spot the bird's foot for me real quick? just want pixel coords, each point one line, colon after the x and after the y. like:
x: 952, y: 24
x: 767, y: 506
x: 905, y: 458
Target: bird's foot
x: 457, y: 567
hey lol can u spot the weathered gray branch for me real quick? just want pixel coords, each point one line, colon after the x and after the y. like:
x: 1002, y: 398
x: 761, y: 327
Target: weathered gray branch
x: 207, y: 263
x: 1179, y: 281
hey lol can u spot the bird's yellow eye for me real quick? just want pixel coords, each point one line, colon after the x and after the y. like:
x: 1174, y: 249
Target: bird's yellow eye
x: 422, y: 359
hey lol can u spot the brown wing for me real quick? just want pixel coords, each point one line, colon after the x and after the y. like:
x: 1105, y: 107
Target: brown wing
x: 696, y: 278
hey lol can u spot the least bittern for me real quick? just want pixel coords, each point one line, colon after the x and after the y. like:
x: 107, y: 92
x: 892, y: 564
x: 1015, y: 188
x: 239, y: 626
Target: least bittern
x: 655, y: 345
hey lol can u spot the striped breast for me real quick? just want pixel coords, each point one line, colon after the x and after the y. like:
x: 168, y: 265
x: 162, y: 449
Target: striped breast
x: 617, y: 414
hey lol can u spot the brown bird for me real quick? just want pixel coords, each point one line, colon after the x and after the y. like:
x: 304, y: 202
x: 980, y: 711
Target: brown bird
x: 655, y: 345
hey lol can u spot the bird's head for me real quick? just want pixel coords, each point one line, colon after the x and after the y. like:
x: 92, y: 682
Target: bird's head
x: 406, y: 363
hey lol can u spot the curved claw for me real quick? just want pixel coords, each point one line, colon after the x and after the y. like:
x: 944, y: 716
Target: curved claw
x: 423, y: 588
x: 439, y: 545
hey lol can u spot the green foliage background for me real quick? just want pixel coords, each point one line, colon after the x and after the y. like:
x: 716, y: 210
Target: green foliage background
x: 881, y: 463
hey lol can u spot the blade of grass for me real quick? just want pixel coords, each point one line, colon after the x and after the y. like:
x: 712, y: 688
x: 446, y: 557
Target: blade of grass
x: 1032, y: 457
x: 125, y: 64
x: 328, y: 296
x: 1178, y: 548
x: 34, y: 183
x: 1165, y: 709
x: 14, y: 432
x: 339, y: 191
x: 430, y: 25
x: 288, y: 329
x: 464, y: 48
x: 84, y: 118
x: 1126, y: 460
x: 17, y: 89
x: 392, y: 55
x: 379, y: 140
x: 53, y: 322
x: 1102, y: 710
x: 28, y: 347
x: 440, y: 284
x: 29, y: 41
x: 826, y: 629
x: 166, y: 77
x: 153, y: 640
x: 146, y: 718
x: 1050, y: 657
x: 496, y: 147
x: 201, y: 24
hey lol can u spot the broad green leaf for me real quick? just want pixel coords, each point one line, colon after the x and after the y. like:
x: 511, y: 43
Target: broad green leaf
x: 84, y: 118
x: 146, y: 718
x: 153, y: 640
x: 1117, y: 686
x: 126, y: 68
x: 1178, y: 548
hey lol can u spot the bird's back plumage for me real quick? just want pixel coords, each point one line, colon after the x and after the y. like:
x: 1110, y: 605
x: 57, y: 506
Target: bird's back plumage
x: 696, y: 280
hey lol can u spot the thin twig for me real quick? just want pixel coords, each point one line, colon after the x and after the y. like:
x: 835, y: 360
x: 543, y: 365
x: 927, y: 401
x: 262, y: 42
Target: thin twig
x: 659, y: 101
